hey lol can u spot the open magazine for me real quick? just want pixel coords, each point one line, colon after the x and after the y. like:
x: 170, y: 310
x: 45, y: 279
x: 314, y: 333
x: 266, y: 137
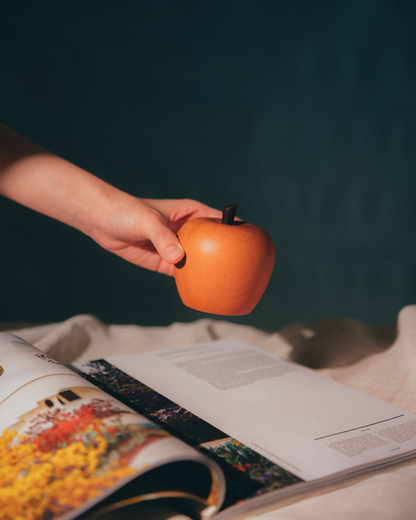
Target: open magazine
x: 209, y: 430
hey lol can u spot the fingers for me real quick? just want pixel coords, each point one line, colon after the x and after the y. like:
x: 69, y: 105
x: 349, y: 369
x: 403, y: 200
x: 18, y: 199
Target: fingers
x: 158, y: 221
x: 181, y: 210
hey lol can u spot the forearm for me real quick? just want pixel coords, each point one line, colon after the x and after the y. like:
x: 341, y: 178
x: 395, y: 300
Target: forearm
x: 51, y: 185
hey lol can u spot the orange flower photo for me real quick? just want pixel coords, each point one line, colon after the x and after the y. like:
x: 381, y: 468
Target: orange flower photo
x: 66, y: 458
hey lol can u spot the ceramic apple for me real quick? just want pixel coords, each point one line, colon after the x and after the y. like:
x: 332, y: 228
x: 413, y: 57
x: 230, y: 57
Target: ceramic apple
x: 227, y: 264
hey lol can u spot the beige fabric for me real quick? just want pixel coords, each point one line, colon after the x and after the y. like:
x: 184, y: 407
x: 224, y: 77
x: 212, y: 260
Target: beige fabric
x: 377, y: 360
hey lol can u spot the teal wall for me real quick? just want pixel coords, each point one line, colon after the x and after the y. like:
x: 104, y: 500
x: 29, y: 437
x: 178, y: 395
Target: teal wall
x: 302, y: 112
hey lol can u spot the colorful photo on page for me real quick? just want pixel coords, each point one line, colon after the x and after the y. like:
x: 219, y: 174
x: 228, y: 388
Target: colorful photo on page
x: 257, y: 468
x: 69, y: 449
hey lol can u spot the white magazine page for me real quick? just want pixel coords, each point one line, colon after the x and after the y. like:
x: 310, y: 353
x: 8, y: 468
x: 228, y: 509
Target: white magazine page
x: 26, y: 376
x: 301, y: 420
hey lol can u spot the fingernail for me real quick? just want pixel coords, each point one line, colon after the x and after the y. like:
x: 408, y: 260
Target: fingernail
x: 174, y: 253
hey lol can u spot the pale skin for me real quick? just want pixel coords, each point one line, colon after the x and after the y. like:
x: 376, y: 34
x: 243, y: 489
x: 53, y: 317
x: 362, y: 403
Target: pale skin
x: 142, y: 231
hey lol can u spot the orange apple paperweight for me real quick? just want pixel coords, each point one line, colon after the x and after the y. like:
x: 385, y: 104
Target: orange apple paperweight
x: 227, y: 264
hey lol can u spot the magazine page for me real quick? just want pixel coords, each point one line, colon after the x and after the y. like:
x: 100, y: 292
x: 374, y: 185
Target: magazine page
x: 65, y: 444
x: 302, y: 421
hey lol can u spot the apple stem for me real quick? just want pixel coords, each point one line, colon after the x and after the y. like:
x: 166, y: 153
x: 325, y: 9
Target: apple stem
x: 228, y: 214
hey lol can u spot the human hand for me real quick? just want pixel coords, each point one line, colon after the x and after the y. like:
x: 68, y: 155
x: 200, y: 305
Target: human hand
x: 143, y: 231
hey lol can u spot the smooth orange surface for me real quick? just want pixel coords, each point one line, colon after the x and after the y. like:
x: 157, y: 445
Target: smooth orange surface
x: 226, y: 268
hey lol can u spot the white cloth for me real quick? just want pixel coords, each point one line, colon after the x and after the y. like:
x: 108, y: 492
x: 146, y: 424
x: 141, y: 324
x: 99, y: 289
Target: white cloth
x: 378, y: 360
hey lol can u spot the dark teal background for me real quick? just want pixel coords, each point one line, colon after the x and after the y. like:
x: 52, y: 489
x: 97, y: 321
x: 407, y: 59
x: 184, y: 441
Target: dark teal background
x: 303, y: 112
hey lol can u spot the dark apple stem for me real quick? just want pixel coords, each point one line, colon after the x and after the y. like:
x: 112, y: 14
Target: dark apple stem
x: 228, y: 214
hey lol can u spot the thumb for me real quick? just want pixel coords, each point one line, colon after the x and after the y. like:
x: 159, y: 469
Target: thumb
x: 167, y: 245
x: 173, y: 253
